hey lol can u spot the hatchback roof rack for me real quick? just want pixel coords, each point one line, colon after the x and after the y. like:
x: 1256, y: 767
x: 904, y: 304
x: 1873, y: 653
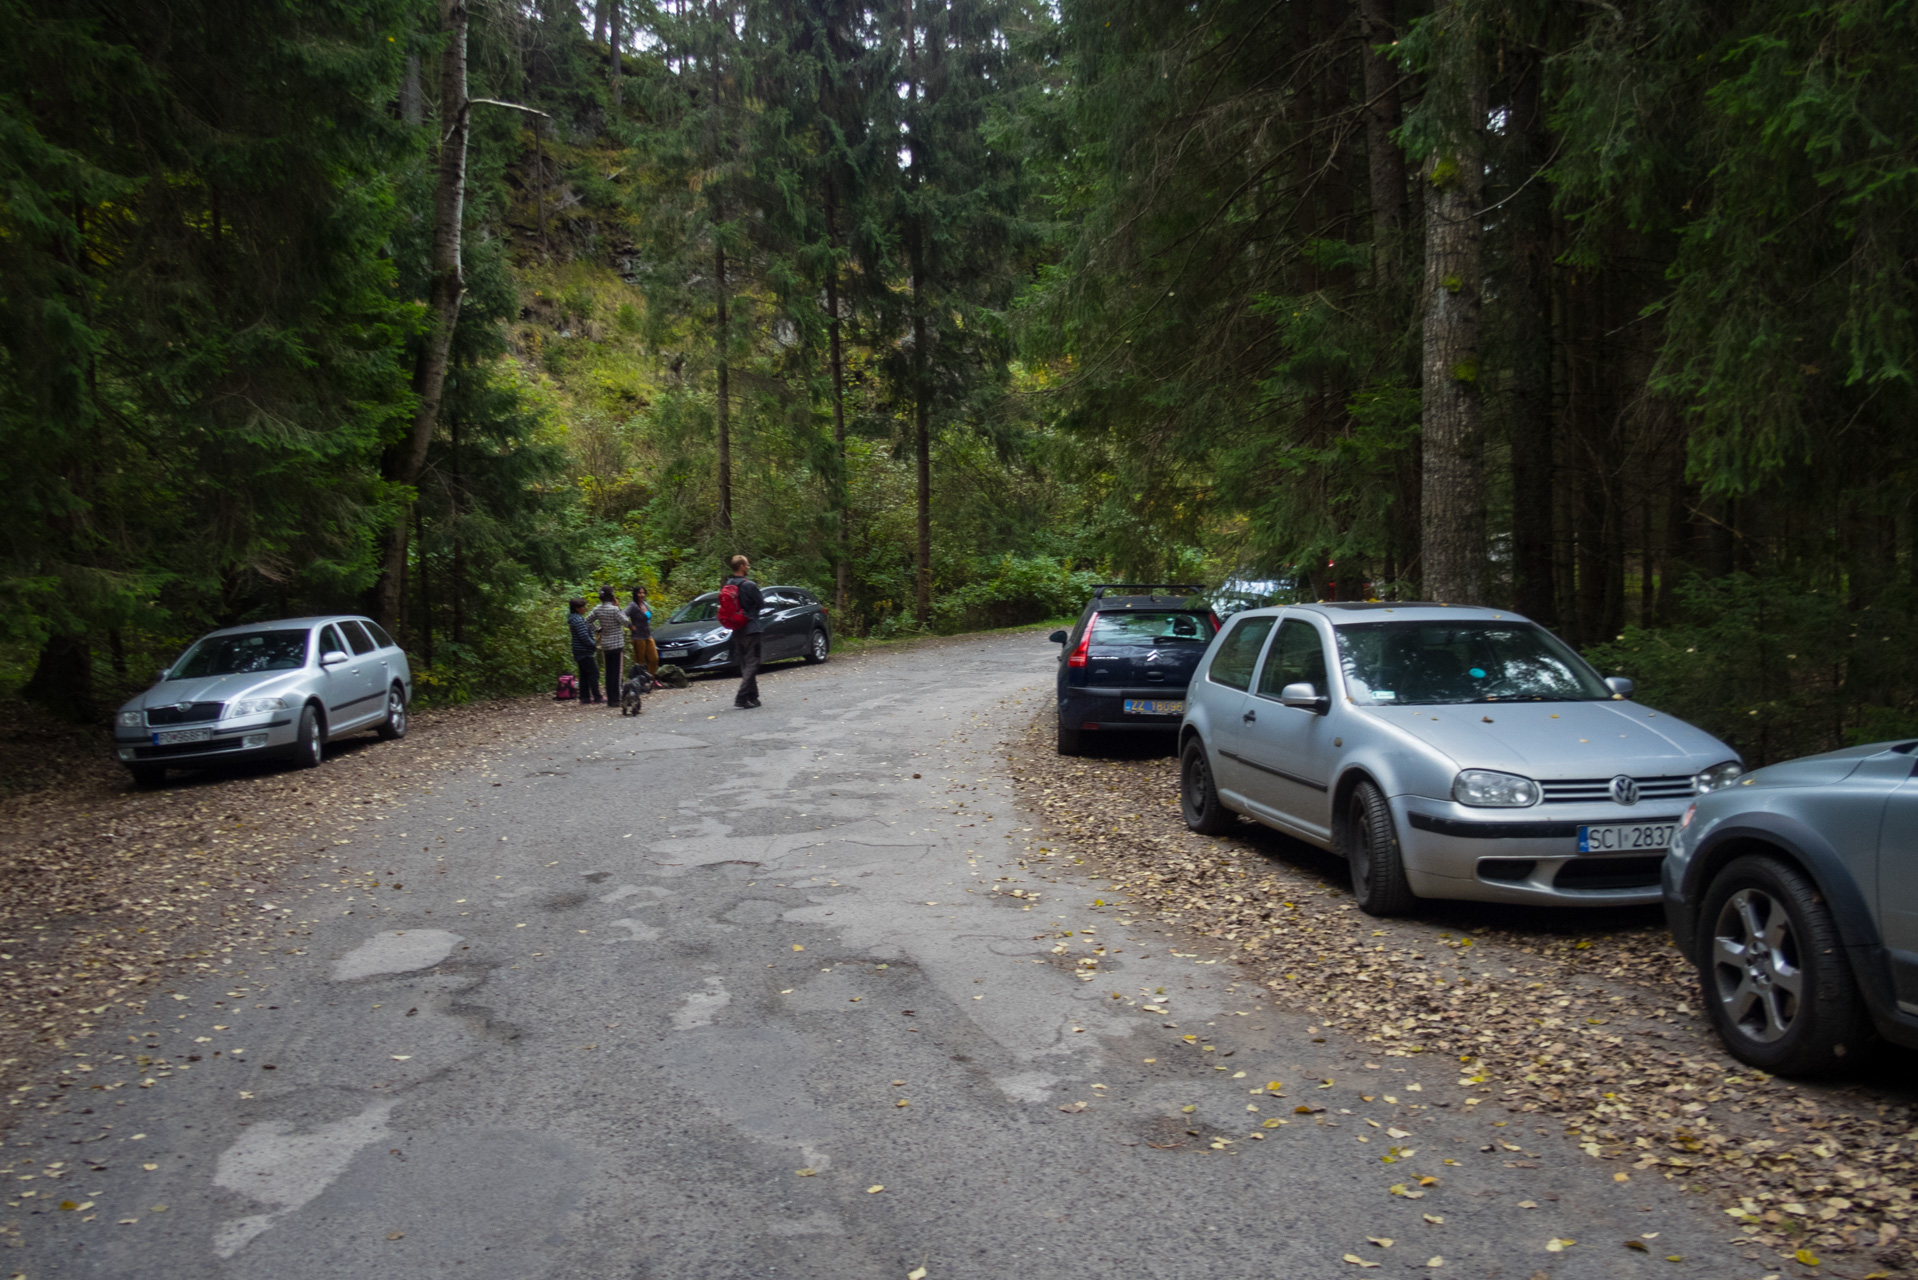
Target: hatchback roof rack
x: 1099, y: 589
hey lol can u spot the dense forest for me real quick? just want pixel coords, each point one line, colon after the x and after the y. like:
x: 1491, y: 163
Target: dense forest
x: 447, y: 309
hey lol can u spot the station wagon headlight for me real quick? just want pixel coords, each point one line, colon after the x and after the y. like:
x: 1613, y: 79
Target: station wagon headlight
x: 1718, y: 776
x: 132, y: 719
x: 1489, y: 789
x: 255, y: 706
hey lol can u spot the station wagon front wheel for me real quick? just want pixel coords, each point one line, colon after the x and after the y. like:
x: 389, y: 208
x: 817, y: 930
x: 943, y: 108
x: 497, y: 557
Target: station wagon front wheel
x: 1198, y: 797
x: 1773, y: 971
x: 1372, y: 847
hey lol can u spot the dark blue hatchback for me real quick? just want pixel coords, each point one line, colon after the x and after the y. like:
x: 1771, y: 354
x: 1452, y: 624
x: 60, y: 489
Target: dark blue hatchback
x: 1125, y: 664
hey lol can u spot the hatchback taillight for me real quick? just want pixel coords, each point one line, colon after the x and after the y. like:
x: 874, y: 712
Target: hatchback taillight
x: 1078, y: 656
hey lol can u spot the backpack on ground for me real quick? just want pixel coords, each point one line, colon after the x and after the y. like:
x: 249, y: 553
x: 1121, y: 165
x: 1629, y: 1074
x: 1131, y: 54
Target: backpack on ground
x: 731, y: 615
x: 672, y: 676
x: 568, y: 688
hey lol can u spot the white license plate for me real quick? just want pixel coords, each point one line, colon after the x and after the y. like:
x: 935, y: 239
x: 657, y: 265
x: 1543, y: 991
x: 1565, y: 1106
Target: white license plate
x: 1643, y: 837
x: 1153, y: 707
x: 172, y: 736
x: 669, y: 654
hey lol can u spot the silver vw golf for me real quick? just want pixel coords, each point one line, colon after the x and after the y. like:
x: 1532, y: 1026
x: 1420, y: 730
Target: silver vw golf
x: 1445, y: 751
x: 270, y: 689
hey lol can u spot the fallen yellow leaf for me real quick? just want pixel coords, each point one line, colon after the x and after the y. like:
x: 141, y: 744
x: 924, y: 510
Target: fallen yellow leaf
x: 1804, y: 1256
x: 1357, y: 1261
x: 805, y: 1173
x: 1637, y: 1246
x: 875, y: 1188
x: 1383, y: 1242
x: 1555, y: 1245
x: 917, y: 1273
x: 1435, y: 1262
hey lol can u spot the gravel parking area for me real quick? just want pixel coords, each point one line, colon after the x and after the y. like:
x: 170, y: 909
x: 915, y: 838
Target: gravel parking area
x: 1587, y: 1020
x: 109, y: 893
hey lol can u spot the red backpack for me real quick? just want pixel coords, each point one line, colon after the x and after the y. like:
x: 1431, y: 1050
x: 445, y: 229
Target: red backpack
x: 731, y: 616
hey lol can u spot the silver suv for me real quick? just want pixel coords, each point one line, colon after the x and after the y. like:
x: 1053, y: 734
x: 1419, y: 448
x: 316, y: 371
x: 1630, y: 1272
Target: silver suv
x: 1445, y: 751
x: 268, y: 689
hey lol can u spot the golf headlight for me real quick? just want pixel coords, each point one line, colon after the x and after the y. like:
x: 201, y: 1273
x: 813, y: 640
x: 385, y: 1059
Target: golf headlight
x: 1718, y: 776
x: 132, y: 719
x: 1489, y: 789
x: 255, y: 706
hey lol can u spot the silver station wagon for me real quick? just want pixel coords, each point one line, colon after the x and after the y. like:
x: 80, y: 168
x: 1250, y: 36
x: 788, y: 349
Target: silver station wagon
x: 1445, y: 751
x: 270, y: 689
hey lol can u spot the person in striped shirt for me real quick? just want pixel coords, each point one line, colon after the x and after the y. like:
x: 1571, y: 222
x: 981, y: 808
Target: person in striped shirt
x: 609, y: 626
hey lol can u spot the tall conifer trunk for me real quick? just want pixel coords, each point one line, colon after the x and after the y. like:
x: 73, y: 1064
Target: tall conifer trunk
x: 835, y: 356
x: 1529, y: 297
x: 404, y: 463
x: 1453, y: 500
x: 724, y: 408
x: 1386, y: 163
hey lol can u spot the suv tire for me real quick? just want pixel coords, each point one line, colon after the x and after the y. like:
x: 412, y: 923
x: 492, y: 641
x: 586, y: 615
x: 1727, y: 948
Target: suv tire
x: 1372, y: 849
x: 148, y: 775
x: 1070, y: 743
x: 1772, y: 971
x: 1198, y: 797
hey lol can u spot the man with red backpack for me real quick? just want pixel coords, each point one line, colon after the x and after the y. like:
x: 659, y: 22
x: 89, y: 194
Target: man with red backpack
x: 740, y: 603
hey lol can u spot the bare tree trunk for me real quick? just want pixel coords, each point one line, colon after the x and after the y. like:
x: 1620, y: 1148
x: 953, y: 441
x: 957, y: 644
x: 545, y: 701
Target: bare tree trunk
x: 1453, y: 501
x: 1529, y: 297
x: 612, y: 9
x: 429, y: 377
x: 454, y: 493
x: 842, y: 567
x: 62, y: 679
x: 1386, y: 161
x: 411, y: 113
x: 426, y: 586
x: 921, y: 409
x: 539, y: 191
x: 599, y: 21
x: 725, y: 387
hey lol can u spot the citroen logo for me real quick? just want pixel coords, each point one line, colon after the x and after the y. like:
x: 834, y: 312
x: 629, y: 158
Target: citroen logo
x: 1624, y: 789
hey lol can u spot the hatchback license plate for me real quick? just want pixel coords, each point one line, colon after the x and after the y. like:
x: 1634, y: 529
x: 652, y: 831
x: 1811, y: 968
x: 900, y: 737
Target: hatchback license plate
x: 181, y: 735
x: 1153, y: 707
x: 1648, y: 837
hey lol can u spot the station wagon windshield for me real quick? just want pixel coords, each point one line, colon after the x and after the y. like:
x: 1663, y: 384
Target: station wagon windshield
x: 1429, y: 663
x: 243, y: 654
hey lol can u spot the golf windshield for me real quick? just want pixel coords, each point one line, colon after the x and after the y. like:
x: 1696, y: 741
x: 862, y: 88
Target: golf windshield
x: 705, y: 609
x: 1427, y: 663
x: 243, y: 653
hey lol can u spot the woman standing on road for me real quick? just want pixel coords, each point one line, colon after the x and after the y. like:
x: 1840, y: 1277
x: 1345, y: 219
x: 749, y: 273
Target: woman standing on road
x: 609, y: 622
x: 585, y: 653
x: 639, y: 616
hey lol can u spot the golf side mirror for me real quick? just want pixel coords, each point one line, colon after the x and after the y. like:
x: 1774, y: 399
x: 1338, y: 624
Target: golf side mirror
x: 1058, y: 637
x: 333, y: 658
x: 1620, y: 686
x: 1304, y: 697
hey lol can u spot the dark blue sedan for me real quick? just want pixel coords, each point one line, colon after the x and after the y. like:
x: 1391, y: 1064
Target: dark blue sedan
x: 1125, y: 664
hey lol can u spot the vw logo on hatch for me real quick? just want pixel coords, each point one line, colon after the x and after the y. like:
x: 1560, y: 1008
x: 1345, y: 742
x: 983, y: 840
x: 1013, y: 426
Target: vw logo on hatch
x: 1625, y: 790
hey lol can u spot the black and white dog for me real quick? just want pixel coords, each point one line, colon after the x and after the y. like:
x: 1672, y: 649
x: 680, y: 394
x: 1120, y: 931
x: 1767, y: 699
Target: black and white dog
x: 630, y: 693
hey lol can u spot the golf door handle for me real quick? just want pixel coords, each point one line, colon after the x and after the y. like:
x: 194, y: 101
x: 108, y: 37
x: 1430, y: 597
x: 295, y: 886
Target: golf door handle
x: 1249, y: 716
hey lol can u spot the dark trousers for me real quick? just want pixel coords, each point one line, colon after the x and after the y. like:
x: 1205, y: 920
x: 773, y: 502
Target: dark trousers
x: 588, y: 679
x: 612, y: 671
x: 746, y: 650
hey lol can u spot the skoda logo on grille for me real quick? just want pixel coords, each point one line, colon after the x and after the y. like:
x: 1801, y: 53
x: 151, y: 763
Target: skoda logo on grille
x: 184, y: 707
x: 1625, y: 790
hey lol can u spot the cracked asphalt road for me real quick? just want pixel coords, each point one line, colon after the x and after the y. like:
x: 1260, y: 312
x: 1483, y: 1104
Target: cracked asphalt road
x: 677, y: 996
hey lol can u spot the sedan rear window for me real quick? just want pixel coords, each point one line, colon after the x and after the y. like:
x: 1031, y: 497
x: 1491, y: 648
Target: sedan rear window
x: 1148, y: 629
x: 1430, y: 663
x: 242, y: 654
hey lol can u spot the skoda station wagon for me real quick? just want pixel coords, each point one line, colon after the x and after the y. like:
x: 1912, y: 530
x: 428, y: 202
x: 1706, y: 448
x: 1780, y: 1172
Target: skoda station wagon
x: 264, y: 691
x: 1445, y: 751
